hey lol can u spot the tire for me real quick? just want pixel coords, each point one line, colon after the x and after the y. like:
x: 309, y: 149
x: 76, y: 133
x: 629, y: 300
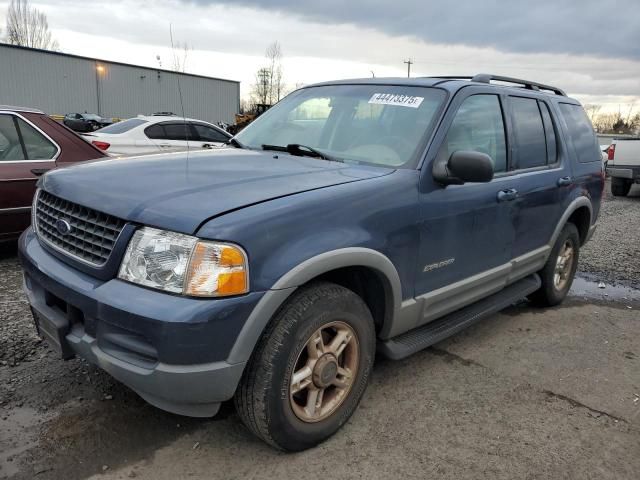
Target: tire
x: 265, y: 400
x: 620, y: 186
x: 552, y: 292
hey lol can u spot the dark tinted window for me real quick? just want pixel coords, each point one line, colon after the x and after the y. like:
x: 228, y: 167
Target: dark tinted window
x: 529, y: 130
x: 478, y: 126
x: 550, y: 133
x: 206, y: 133
x: 10, y: 148
x: 124, y: 126
x: 177, y: 131
x: 585, y: 142
x: 37, y: 145
x: 154, y: 131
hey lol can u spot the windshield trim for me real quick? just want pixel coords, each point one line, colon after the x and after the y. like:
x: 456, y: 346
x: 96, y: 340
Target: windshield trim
x: 416, y: 159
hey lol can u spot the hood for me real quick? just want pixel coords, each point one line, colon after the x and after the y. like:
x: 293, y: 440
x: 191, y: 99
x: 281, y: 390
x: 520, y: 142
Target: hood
x: 178, y: 191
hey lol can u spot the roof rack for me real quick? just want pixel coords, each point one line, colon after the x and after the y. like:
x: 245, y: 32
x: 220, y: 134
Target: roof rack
x: 488, y: 77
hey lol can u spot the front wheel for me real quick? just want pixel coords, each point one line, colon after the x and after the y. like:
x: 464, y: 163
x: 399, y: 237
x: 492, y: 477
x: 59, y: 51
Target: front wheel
x: 557, y: 274
x: 309, y: 371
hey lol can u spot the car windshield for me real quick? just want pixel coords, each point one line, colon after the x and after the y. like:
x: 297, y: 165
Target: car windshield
x: 91, y: 116
x: 124, y: 126
x: 372, y: 124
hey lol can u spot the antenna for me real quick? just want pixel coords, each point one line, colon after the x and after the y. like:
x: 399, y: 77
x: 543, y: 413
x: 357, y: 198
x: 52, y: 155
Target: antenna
x: 184, y: 117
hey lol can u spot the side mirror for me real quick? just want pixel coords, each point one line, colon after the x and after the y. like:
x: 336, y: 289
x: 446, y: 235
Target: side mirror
x: 470, y: 166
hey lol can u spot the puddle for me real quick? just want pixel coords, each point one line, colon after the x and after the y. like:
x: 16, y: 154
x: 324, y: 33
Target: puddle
x: 588, y: 289
x: 18, y: 433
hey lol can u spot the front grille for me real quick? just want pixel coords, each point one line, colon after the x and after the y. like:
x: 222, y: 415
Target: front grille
x: 92, y: 235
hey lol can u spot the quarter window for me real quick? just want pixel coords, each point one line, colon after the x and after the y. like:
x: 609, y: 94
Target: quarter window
x: 10, y: 146
x: 529, y: 132
x: 36, y: 145
x: 585, y: 142
x: 478, y: 126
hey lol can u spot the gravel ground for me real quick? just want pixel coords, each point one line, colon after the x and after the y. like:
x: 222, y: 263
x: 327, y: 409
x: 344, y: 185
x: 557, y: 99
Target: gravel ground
x: 613, y: 255
x: 525, y: 394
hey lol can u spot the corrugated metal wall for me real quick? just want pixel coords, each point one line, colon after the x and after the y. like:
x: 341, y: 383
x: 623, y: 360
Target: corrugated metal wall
x: 59, y: 84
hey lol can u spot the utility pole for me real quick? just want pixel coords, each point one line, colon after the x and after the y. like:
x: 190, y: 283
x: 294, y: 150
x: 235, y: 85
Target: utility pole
x: 409, y: 63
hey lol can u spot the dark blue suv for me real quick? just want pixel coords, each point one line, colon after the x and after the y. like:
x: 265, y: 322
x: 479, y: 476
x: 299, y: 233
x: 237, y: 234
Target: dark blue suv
x: 354, y: 217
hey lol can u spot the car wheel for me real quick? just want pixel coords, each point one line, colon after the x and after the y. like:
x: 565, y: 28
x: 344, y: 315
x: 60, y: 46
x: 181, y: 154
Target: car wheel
x: 620, y: 186
x: 308, y: 373
x: 560, y: 269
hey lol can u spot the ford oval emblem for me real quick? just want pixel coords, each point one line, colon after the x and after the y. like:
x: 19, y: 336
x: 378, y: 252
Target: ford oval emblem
x: 63, y: 227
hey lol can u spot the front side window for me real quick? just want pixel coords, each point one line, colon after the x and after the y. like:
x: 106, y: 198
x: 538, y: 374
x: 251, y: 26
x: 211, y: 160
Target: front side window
x: 478, y: 126
x: 585, y: 142
x: 205, y: 133
x: 529, y: 133
x: 372, y: 124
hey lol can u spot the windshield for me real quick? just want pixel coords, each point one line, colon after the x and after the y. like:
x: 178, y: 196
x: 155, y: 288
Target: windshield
x: 91, y: 116
x: 374, y: 124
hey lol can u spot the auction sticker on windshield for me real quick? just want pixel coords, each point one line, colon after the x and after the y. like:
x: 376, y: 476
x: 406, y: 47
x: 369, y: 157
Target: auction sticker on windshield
x: 395, y: 99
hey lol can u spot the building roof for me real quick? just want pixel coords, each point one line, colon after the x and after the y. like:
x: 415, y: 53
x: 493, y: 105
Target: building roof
x: 69, y: 55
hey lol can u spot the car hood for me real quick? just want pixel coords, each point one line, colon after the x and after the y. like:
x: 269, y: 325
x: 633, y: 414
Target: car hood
x: 179, y: 192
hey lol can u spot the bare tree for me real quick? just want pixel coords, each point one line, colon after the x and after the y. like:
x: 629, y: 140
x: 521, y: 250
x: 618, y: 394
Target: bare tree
x: 180, y: 56
x: 28, y: 27
x: 261, y: 90
x: 276, y: 75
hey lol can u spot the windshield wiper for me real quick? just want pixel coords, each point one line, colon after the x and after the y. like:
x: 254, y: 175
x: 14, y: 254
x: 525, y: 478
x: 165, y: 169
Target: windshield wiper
x: 302, y: 151
x: 235, y: 143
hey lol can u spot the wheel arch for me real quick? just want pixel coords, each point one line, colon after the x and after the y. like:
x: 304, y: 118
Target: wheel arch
x: 580, y: 213
x: 323, y: 266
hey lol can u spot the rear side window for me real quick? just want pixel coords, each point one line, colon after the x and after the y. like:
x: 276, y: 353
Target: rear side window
x: 154, y: 131
x: 478, y: 126
x: 585, y: 142
x: 124, y: 126
x: 529, y: 131
x: 177, y: 131
x: 550, y: 133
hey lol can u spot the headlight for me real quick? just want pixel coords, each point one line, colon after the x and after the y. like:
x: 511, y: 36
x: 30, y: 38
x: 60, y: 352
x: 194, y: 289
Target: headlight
x: 184, y: 264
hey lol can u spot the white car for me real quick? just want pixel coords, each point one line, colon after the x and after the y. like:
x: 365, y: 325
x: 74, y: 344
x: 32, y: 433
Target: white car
x: 158, y: 133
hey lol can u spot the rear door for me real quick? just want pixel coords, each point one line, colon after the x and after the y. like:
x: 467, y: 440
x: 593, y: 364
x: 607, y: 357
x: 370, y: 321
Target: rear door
x: 25, y: 154
x: 541, y: 171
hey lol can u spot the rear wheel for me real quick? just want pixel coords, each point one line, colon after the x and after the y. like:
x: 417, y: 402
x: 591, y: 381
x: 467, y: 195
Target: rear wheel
x: 557, y: 274
x: 620, y: 186
x: 310, y: 369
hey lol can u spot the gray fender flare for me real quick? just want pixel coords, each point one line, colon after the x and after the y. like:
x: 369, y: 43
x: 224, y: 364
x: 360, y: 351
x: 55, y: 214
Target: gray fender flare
x: 301, y: 274
x: 581, y: 201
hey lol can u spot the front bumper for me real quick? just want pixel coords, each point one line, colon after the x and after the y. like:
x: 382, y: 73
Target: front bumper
x: 171, y: 350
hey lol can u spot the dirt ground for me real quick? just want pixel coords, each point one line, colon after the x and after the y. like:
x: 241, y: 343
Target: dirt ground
x: 528, y: 393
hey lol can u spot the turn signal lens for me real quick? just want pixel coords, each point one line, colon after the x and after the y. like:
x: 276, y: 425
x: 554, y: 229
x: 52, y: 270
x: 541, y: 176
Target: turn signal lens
x: 217, y: 270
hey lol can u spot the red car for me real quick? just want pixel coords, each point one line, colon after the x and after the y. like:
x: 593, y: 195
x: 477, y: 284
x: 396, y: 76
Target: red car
x: 31, y: 144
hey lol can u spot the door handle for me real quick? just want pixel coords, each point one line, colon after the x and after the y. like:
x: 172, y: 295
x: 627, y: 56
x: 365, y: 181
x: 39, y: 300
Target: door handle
x: 39, y: 171
x: 207, y: 145
x: 565, y: 181
x: 507, y: 195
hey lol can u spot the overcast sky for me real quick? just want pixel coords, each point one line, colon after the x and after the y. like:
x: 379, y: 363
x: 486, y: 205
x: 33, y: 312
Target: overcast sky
x: 589, y: 48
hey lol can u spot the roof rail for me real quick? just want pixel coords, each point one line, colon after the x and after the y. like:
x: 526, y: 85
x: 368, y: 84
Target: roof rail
x: 488, y: 77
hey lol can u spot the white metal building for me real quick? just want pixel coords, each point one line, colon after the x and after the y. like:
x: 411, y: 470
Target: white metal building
x: 59, y: 83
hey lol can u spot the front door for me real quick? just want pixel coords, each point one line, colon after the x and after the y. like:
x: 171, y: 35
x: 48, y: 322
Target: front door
x: 467, y: 231
x: 25, y: 154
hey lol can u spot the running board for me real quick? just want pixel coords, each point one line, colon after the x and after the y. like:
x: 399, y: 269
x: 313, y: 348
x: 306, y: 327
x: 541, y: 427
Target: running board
x: 422, y: 337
